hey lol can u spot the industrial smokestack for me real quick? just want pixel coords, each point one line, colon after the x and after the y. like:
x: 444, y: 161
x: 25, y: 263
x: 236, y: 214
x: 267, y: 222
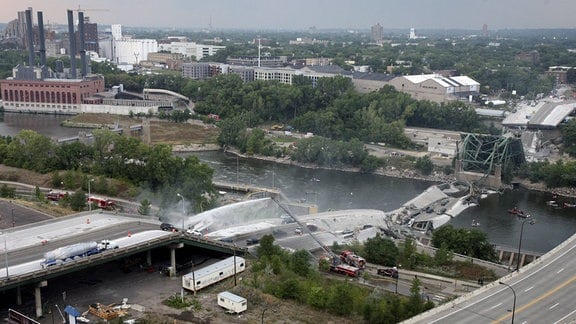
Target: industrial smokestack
x: 30, y: 37
x: 72, y: 44
x: 41, y: 39
x: 82, y: 41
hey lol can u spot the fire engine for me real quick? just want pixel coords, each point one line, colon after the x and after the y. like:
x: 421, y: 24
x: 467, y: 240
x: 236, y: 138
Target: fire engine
x: 352, y: 259
x: 55, y: 195
x: 102, y: 203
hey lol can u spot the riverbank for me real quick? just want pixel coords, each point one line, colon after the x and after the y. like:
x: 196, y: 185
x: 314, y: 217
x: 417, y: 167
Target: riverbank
x: 435, y: 177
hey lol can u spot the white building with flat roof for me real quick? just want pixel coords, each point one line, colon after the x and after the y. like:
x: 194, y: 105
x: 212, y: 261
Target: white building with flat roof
x: 132, y: 50
x: 191, y: 49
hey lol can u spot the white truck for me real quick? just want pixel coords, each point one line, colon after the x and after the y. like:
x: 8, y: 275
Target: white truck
x: 233, y: 304
x: 75, y: 251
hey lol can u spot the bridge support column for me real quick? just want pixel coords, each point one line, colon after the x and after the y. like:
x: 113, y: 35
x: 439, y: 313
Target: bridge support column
x: 500, y: 255
x: 522, y: 259
x: 511, y: 261
x: 172, y: 262
x: 149, y: 258
x: 173, y: 248
x: 38, y: 297
x: 18, y: 296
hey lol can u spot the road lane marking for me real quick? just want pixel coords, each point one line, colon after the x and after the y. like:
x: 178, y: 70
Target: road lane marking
x: 552, y: 307
x: 497, y: 305
x: 538, y: 299
x: 564, y: 318
x: 560, y: 270
x: 528, y: 289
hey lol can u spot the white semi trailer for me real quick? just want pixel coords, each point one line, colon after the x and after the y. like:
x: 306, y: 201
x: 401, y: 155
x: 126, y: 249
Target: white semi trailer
x: 75, y: 251
x: 213, y: 273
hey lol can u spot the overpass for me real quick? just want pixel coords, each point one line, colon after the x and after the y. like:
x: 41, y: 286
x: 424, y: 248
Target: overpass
x: 24, y: 247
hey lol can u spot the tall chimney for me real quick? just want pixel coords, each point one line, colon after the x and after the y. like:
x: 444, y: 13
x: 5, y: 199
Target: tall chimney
x: 82, y: 42
x: 30, y: 36
x: 41, y: 39
x: 72, y: 44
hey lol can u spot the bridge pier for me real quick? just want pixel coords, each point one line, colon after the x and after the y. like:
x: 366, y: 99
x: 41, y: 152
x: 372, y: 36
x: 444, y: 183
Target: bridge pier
x: 38, y: 297
x: 149, y: 257
x: 173, y: 248
x: 18, y: 296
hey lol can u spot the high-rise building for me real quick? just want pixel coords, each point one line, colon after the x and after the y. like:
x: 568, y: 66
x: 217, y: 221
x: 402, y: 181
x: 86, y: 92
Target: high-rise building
x: 377, y: 32
x: 413, y: 33
x: 116, y: 31
x: 90, y: 35
x: 485, y: 30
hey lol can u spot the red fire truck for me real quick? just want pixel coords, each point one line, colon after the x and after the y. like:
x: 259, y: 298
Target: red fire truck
x: 102, y: 203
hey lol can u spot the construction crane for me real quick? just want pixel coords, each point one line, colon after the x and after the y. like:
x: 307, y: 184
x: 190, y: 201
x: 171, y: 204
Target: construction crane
x: 83, y: 10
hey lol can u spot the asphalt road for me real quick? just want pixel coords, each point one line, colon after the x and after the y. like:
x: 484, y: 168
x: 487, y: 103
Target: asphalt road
x: 544, y: 294
x: 36, y: 252
x: 12, y: 215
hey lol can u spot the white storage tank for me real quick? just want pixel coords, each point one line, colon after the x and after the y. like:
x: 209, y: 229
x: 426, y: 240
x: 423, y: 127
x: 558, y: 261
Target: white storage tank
x: 232, y: 303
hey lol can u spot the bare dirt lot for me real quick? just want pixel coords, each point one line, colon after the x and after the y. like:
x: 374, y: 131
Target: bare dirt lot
x: 165, y: 132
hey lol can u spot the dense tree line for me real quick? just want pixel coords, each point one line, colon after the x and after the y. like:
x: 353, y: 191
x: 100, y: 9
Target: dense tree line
x: 291, y: 276
x: 472, y: 243
x: 112, y: 156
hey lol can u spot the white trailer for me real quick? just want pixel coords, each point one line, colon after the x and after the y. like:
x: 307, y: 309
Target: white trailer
x: 233, y: 304
x: 213, y: 273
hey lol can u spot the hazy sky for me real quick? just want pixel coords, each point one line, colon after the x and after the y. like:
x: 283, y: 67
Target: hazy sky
x: 301, y: 14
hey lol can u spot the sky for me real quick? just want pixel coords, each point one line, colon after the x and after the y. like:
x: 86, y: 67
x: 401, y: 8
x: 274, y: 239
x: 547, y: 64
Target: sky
x: 302, y: 14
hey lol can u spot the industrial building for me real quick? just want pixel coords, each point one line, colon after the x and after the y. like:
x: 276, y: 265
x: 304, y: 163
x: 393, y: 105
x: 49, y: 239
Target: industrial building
x: 437, y: 88
x: 37, y: 88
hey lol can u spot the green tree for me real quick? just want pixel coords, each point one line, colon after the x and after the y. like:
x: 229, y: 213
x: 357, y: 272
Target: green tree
x: 145, y: 207
x: 425, y: 165
x: 568, y: 131
x: 77, y: 201
x: 443, y: 256
x: 381, y: 250
x: 267, y: 248
x: 300, y: 262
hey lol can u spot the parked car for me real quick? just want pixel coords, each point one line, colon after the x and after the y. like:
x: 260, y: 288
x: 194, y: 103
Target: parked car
x: 194, y: 232
x: 227, y: 240
x: 389, y: 272
x: 168, y: 227
x: 252, y: 241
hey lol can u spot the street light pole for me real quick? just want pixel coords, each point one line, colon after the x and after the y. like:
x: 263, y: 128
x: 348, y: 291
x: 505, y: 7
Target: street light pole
x: 514, y: 304
x: 89, y: 201
x: 264, y: 311
x: 183, y: 210
x: 531, y: 222
x: 6, y: 257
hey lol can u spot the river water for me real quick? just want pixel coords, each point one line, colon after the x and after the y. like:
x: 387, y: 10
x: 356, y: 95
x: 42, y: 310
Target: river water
x: 345, y: 190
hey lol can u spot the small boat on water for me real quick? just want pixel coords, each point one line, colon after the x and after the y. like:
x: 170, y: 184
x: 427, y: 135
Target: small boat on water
x: 516, y: 211
x: 569, y: 205
x: 552, y: 203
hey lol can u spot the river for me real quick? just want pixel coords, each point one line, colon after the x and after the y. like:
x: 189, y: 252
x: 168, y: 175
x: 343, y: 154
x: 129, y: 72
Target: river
x: 345, y: 190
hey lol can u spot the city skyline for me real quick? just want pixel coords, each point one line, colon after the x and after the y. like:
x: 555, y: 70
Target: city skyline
x: 301, y: 15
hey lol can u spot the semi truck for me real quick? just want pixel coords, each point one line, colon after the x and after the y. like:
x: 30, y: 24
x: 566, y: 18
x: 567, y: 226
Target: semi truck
x: 75, y: 251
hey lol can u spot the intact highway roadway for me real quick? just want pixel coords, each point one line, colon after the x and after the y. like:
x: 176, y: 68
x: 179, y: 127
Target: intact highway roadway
x: 544, y: 293
x: 29, y: 242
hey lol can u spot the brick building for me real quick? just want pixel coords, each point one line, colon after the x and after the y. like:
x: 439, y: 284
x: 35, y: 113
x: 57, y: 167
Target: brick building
x: 51, y: 95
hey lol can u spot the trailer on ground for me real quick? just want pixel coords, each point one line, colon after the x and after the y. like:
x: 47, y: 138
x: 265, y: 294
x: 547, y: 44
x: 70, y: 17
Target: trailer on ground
x: 213, y: 273
x: 233, y: 304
